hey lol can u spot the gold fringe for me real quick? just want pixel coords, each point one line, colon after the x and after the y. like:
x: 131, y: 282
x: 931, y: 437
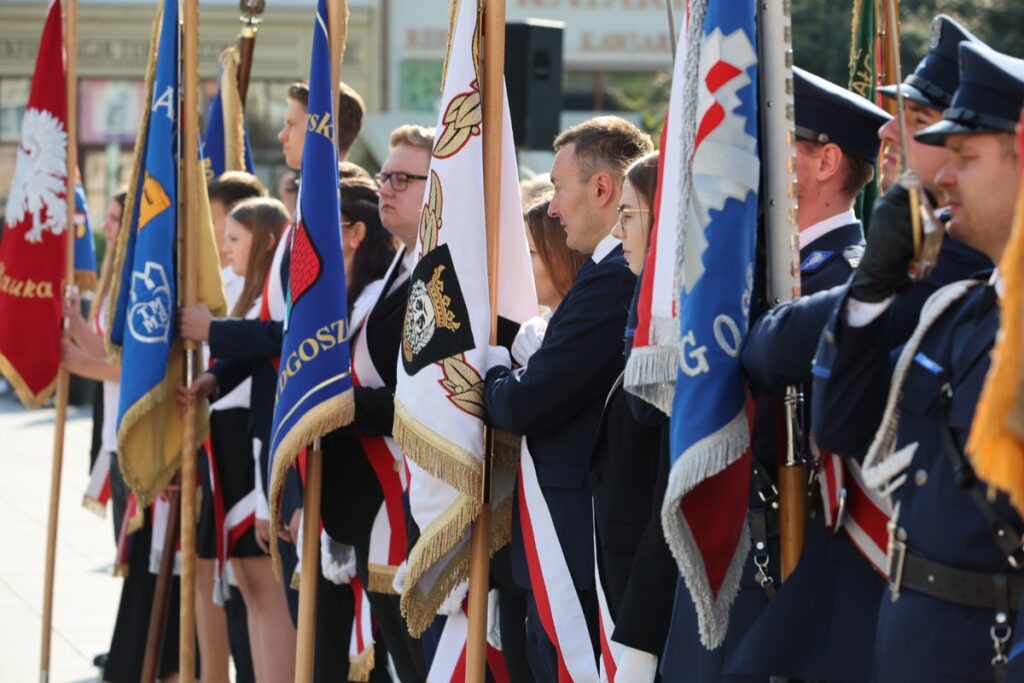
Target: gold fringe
x: 29, y: 399
x: 435, y: 454
x: 121, y: 570
x: 381, y: 579
x: 94, y: 506
x: 114, y: 351
x: 296, y: 580
x: 507, y: 449
x: 501, y: 523
x: 436, y: 541
x: 361, y: 666
x: 319, y: 420
x: 85, y: 280
x: 136, y: 521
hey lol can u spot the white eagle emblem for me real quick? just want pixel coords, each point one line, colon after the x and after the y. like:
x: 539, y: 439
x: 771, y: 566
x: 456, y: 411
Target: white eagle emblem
x: 39, y: 176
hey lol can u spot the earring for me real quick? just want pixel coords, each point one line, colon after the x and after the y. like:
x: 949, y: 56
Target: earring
x: 354, y: 243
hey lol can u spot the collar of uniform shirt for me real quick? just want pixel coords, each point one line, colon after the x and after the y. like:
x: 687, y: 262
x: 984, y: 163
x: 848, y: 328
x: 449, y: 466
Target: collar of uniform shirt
x: 822, y: 228
x: 604, y: 247
x: 997, y: 283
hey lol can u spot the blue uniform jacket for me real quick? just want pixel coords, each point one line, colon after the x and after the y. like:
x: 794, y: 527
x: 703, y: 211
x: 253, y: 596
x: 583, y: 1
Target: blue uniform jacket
x: 825, y: 262
x: 920, y: 637
x: 832, y: 598
x: 556, y: 402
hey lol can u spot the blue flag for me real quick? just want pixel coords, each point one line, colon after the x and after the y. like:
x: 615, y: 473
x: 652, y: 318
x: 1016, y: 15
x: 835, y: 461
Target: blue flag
x: 705, y: 509
x: 226, y: 142
x: 145, y: 294
x: 314, y: 387
x: 85, y: 250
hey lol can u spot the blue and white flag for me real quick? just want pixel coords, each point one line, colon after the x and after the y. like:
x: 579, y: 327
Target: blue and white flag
x: 704, y: 512
x: 85, y: 250
x: 226, y: 142
x: 144, y: 286
x: 314, y: 387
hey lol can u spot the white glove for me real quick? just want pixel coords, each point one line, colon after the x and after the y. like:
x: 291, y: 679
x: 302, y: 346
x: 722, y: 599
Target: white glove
x: 498, y: 355
x: 528, y: 339
x: 337, y: 560
x: 453, y: 603
x: 398, y: 583
x: 636, y: 665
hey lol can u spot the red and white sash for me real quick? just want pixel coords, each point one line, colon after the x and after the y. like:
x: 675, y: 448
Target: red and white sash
x: 611, y: 652
x: 849, y: 503
x: 561, y: 613
x: 360, y: 648
x: 97, y: 494
x: 449, y: 664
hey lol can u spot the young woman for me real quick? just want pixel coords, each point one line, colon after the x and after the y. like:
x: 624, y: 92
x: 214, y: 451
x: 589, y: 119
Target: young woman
x: 555, y: 265
x: 629, y: 470
x: 252, y: 233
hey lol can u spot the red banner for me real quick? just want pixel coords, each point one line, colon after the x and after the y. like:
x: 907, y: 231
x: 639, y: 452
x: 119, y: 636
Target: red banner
x: 32, y: 244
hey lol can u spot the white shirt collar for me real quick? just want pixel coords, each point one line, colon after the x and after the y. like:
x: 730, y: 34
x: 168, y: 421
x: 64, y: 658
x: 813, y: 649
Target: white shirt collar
x: 998, y: 283
x: 822, y: 228
x: 603, y: 248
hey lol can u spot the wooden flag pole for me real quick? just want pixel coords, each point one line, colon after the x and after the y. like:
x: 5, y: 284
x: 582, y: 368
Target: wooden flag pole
x: 189, y: 264
x: 337, y: 31
x: 162, y: 590
x: 480, y: 541
x: 63, y: 377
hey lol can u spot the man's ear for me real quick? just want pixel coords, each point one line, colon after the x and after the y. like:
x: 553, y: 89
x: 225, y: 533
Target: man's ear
x: 830, y: 162
x: 605, y: 188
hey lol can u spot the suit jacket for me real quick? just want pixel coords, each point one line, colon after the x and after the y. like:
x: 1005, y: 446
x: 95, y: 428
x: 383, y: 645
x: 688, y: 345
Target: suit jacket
x: 352, y: 493
x: 920, y: 637
x: 556, y: 403
x: 623, y: 472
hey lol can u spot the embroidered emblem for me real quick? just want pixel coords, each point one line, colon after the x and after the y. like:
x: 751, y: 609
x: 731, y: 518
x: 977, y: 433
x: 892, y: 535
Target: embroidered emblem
x: 149, y: 313
x: 436, y: 320
x: 38, y: 187
x: 815, y: 260
x: 853, y: 254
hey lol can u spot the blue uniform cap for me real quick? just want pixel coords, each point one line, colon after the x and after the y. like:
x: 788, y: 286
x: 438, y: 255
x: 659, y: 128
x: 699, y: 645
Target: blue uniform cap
x: 989, y: 98
x: 826, y: 113
x: 937, y: 76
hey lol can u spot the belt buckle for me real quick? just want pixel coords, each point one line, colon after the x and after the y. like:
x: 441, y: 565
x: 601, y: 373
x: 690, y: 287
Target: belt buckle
x: 896, y: 559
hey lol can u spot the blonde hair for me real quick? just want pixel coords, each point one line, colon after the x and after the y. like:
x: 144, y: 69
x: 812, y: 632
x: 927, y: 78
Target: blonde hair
x: 414, y: 136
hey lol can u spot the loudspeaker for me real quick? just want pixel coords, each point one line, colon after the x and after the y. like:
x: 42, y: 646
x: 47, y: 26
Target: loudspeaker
x: 533, y: 79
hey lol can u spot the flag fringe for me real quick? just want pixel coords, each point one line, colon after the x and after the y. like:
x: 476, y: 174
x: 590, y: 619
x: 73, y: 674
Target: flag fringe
x: 439, y: 538
x: 381, y: 579
x: 332, y: 414
x: 699, y: 462
x: 360, y: 666
x: 85, y: 280
x: 121, y: 244
x: 94, y: 506
x: 147, y: 492
x: 506, y: 451
x: 440, y: 457
x: 296, y: 580
x: 29, y: 399
x: 650, y: 375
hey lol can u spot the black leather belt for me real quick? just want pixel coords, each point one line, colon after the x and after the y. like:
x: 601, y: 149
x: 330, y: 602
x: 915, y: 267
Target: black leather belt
x: 997, y: 592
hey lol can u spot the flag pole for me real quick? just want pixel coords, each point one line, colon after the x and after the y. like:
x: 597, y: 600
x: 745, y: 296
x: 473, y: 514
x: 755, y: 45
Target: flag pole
x: 337, y: 31
x: 251, y: 10
x: 63, y: 377
x: 162, y: 590
x: 189, y: 263
x: 780, y: 213
x: 480, y: 541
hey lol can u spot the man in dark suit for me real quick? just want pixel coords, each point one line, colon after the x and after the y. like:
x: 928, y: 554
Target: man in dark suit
x: 837, y: 145
x: 954, y: 551
x: 556, y: 400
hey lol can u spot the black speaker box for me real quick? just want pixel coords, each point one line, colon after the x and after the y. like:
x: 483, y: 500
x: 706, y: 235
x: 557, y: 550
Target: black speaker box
x: 533, y: 78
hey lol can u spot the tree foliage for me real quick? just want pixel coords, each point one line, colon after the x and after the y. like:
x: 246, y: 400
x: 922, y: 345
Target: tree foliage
x: 821, y: 30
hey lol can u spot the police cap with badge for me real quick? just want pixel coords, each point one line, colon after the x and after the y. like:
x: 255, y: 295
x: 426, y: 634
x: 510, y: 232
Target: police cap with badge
x: 988, y: 100
x: 827, y: 113
x: 937, y: 75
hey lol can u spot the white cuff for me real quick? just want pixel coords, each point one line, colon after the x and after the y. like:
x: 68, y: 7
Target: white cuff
x: 636, y: 665
x: 862, y: 313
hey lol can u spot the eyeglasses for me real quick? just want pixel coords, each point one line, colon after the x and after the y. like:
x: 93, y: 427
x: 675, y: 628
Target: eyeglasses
x: 626, y: 212
x: 399, y: 180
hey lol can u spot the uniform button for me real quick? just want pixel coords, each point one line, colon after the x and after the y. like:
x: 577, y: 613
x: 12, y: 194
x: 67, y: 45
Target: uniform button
x: 920, y: 477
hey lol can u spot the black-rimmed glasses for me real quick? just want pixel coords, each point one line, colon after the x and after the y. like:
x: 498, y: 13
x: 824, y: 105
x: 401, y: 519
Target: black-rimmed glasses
x: 399, y: 179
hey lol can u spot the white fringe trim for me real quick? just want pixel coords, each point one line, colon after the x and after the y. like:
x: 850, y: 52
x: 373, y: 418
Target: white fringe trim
x: 883, y: 465
x: 702, y: 460
x: 651, y: 375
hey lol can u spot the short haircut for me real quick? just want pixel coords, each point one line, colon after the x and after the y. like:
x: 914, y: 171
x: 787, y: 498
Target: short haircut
x: 605, y: 143
x: 347, y: 169
x: 856, y: 172
x: 561, y: 262
x: 231, y: 187
x: 299, y: 92
x: 414, y: 136
x: 350, y: 116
